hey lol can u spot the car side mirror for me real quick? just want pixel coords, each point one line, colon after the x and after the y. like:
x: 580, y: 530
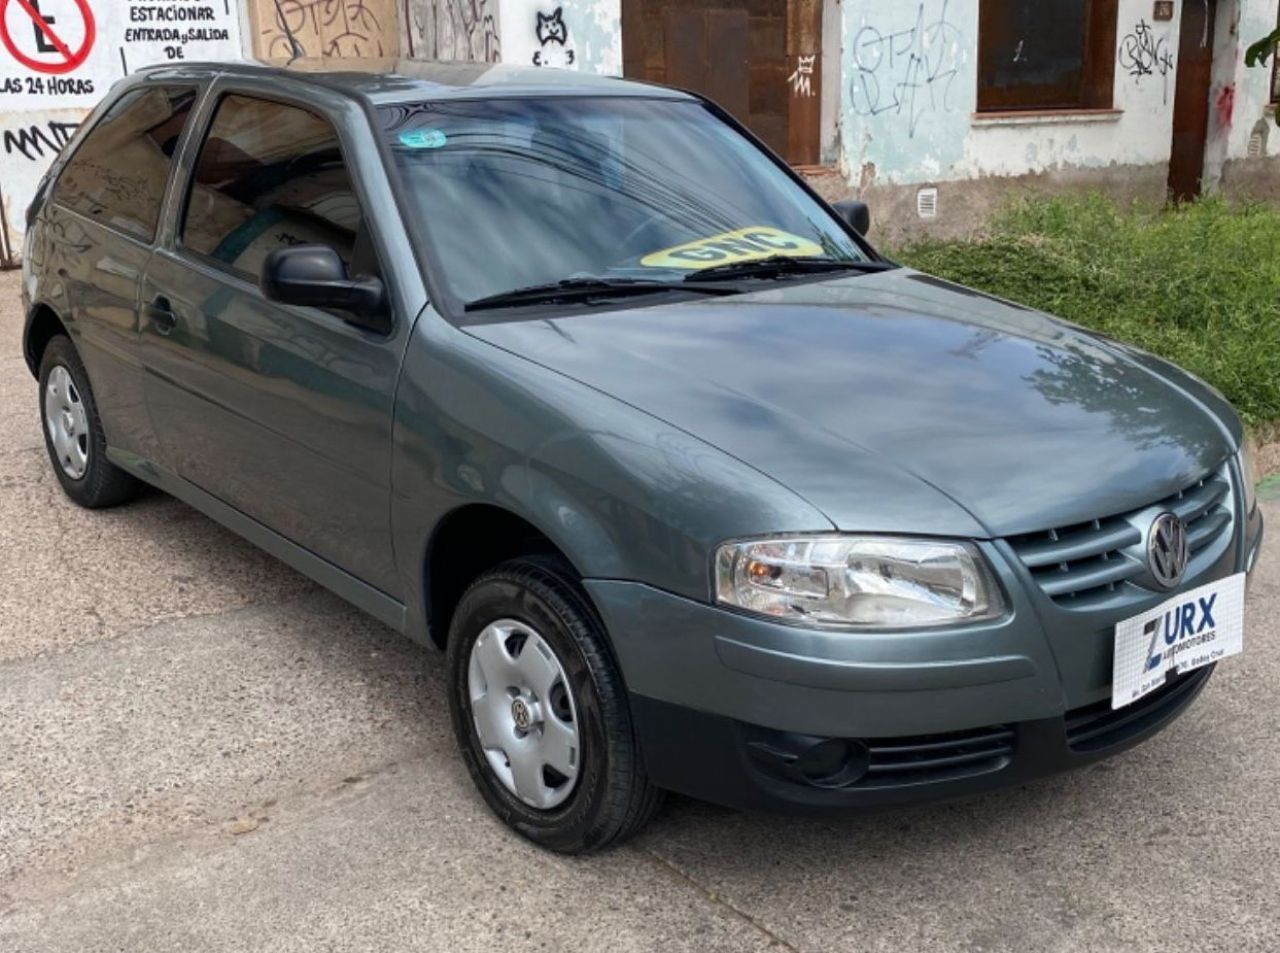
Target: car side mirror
x: 315, y: 276
x: 856, y: 214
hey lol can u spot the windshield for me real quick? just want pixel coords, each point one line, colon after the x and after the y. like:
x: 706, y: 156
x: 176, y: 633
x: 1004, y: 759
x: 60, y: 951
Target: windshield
x: 517, y: 193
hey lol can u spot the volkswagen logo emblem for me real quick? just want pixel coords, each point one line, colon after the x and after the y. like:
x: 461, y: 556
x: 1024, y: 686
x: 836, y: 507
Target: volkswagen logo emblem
x: 1167, y: 550
x: 521, y: 714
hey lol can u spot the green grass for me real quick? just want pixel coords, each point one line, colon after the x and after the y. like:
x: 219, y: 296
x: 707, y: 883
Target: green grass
x: 1199, y: 285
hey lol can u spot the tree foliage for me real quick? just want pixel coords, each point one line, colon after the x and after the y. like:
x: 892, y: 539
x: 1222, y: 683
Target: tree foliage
x: 1263, y: 50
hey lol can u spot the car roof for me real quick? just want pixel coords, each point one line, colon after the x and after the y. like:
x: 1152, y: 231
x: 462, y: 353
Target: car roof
x: 389, y: 80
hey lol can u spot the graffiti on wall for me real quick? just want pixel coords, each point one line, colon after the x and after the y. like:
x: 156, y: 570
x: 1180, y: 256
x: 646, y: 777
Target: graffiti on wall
x: 1142, y: 53
x: 465, y: 30
x: 801, y: 79
x: 297, y: 29
x: 40, y: 141
x: 907, y: 72
x: 552, y: 34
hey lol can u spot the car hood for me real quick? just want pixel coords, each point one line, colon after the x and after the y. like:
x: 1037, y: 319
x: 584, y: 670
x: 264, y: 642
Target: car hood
x: 901, y: 402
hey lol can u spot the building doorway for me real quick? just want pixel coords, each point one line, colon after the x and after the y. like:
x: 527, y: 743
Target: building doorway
x: 1191, y: 99
x: 760, y: 61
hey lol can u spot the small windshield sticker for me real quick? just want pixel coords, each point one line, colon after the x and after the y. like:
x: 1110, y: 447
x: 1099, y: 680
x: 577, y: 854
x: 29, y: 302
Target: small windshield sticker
x: 745, y: 244
x: 424, y: 138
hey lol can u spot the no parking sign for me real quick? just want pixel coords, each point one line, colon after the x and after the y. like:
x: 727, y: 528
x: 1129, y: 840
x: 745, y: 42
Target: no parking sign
x: 42, y: 42
x: 59, y: 54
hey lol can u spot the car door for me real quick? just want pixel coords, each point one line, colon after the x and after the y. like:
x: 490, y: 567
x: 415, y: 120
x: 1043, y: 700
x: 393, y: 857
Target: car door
x: 103, y: 216
x: 282, y: 412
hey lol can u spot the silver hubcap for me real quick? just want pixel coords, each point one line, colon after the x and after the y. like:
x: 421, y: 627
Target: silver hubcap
x: 524, y: 713
x: 67, y: 423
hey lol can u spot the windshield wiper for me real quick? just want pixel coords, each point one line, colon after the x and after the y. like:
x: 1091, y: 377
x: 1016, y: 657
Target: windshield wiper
x: 779, y: 265
x: 587, y: 288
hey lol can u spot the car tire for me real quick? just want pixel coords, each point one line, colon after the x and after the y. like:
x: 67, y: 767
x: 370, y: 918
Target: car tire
x: 73, y: 432
x: 531, y: 602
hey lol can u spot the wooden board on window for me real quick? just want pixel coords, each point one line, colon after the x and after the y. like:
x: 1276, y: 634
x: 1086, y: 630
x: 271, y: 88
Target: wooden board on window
x: 762, y: 61
x: 1043, y: 56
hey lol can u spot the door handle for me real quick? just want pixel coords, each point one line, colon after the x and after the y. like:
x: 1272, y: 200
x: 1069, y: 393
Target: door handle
x: 161, y: 315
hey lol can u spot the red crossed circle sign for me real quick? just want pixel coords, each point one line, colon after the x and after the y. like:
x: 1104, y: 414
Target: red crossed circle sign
x: 69, y: 58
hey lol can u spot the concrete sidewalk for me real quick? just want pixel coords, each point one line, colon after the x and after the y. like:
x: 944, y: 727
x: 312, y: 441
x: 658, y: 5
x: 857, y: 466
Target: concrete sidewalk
x: 200, y: 750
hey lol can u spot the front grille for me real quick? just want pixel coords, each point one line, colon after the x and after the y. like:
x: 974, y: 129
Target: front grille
x: 1074, y: 564
x: 958, y: 754
x: 1097, y: 727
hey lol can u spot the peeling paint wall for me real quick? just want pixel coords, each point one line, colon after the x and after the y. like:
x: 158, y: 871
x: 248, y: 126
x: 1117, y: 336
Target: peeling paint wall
x: 910, y: 98
x: 453, y: 30
x: 910, y: 75
x: 1242, y: 127
x: 1228, y: 56
x: 909, y: 87
x: 1247, y: 22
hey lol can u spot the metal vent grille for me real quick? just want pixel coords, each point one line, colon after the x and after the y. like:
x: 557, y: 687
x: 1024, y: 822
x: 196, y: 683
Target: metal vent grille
x: 927, y: 203
x: 1075, y: 563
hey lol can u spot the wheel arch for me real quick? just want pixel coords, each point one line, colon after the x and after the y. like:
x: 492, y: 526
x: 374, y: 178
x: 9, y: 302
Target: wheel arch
x: 467, y: 541
x: 42, y: 326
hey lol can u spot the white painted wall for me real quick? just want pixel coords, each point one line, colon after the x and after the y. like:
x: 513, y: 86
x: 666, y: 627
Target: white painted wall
x: 911, y: 100
x: 568, y: 34
x: 583, y: 35
x: 1241, y: 95
x: 909, y: 96
x: 39, y: 109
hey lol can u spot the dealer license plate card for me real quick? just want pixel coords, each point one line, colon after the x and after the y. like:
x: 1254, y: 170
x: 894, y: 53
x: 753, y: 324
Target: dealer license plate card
x: 1190, y: 630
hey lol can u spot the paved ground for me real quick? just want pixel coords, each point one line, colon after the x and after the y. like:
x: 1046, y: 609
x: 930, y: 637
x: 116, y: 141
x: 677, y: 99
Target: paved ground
x: 200, y: 750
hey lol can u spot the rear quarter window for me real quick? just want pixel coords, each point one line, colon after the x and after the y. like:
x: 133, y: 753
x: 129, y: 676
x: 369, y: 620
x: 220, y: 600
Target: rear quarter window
x: 118, y: 174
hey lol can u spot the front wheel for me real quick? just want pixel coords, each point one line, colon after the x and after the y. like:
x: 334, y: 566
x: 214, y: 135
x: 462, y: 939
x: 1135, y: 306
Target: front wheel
x: 540, y: 711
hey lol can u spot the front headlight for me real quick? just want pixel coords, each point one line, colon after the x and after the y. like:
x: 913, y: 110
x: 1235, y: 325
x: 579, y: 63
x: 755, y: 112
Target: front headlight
x: 1248, y: 473
x: 874, y: 582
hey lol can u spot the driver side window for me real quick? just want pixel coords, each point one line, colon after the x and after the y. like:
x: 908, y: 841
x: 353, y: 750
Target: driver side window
x: 269, y: 176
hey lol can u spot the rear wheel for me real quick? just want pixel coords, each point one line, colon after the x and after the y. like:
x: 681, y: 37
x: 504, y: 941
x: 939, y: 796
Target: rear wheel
x: 73, y: 432
x: 540, y: 711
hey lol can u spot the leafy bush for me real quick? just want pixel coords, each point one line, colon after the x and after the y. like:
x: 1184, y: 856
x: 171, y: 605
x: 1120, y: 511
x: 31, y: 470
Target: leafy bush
x: 1199, y: 284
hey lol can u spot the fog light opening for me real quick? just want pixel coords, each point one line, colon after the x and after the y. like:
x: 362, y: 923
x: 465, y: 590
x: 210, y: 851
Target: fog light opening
x: 833, y: 763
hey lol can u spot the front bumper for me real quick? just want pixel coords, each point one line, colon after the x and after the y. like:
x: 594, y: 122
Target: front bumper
x: 727, y: 762
x: 724, y: 704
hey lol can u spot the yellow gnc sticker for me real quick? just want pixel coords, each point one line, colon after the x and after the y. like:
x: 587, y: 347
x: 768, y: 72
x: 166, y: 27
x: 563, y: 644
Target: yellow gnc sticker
x: 745, y: 244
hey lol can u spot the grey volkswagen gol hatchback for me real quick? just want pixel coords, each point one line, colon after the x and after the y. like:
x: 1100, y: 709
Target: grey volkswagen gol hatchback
x: 575, y: 380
